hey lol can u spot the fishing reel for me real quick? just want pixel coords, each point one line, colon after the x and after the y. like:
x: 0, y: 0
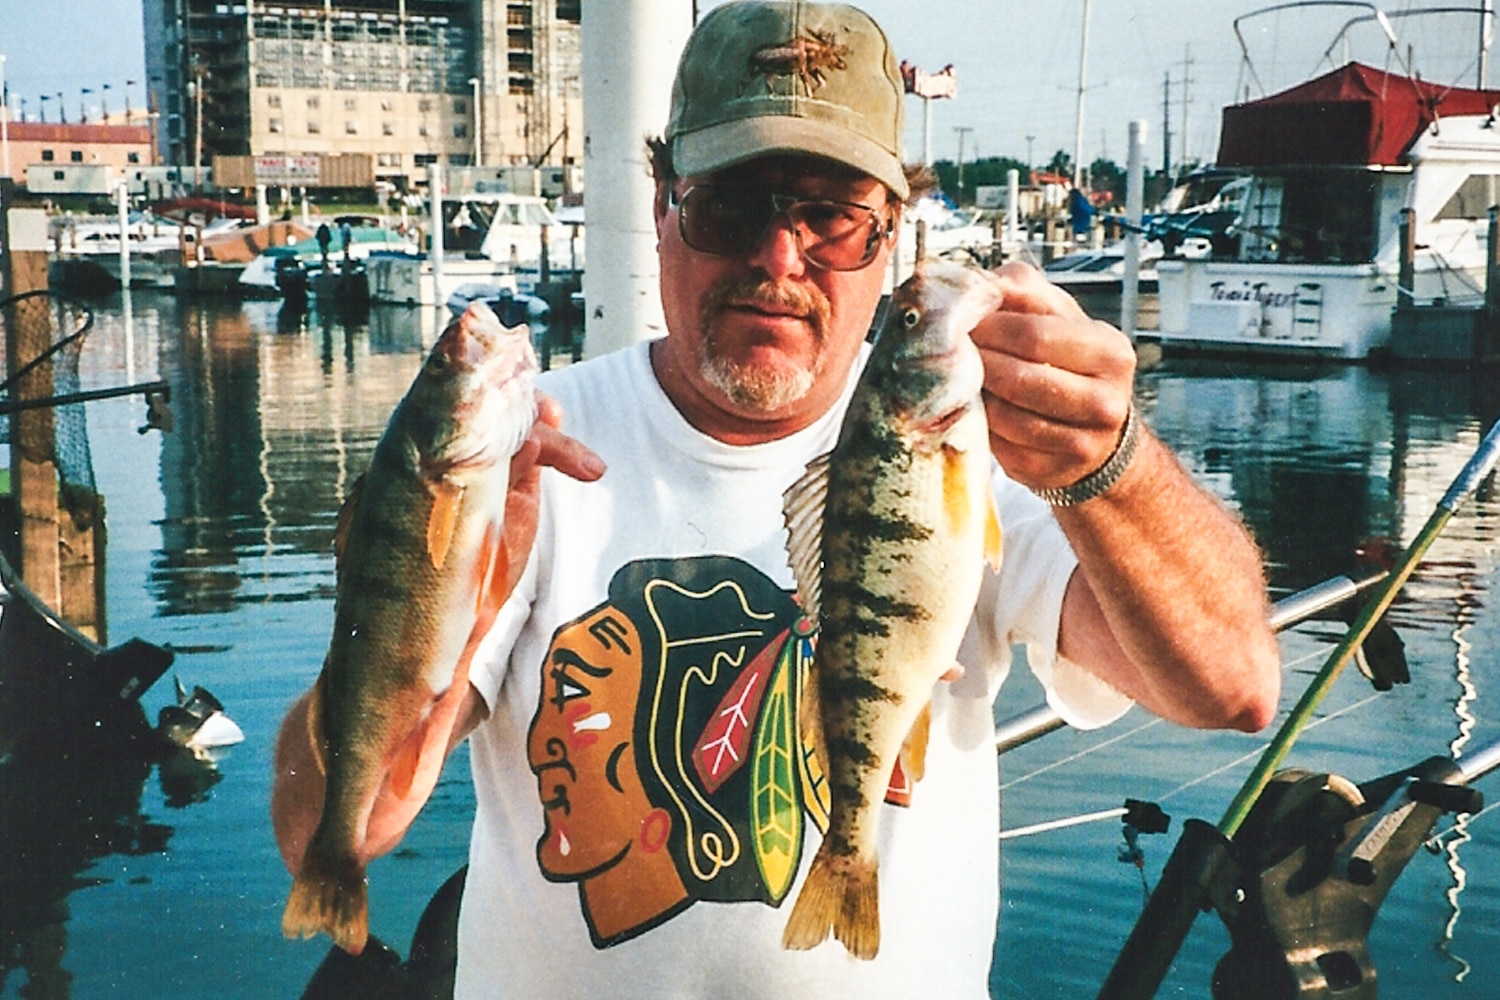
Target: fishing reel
x: 1303, y: 878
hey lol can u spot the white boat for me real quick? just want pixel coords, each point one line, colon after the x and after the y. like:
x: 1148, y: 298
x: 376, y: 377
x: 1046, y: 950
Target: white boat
x: 87, y: 255
x: 1311, y: 268
x: 489, y: 238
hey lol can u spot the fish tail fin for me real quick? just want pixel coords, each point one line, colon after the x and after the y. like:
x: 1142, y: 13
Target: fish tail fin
x: 329, y: 896
x: 841, y: 896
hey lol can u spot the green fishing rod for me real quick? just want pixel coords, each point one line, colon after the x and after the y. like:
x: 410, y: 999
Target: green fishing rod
x: 1473, y: 473
x: 1203, y: 853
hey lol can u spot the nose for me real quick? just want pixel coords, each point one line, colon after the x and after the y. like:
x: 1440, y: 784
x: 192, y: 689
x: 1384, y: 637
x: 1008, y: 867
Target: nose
x: 778, y: 252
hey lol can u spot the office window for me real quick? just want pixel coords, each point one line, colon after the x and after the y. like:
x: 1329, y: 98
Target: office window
x: 387, y: 128
x: 314, y: 127
x: 133, y: 157
x: 47, y: 156
x: 351, y: 128
x: 76, y: 155
x: 273, y: 100
x: 350, y: 104
x: 312, y: 102
x: 274, y: 125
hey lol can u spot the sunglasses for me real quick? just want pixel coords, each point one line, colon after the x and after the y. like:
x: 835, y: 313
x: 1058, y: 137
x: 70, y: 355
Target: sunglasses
x: 725, y: 221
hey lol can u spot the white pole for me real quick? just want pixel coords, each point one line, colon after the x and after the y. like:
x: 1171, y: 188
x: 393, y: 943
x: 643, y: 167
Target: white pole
x: 478, y: 123
x: 630, y: 50
x: 435, y: 230
x: 1135, y: 187
x: 1083, y: 61
x: 1486, y: 33
x: 122, y: 200
x: 926, y: 131
x: 262, y: 208
x: 1012, y: 204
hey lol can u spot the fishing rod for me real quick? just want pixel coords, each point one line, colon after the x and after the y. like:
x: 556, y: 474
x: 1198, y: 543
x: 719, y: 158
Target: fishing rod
x: 1204, y: 859
x: 1293, y: 609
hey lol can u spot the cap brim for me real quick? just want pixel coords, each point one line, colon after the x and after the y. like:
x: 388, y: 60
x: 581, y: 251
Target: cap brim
x: 710, y: 149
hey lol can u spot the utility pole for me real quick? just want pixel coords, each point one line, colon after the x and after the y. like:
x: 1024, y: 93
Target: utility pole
x: 4, y: 122
x: 1187, y: 80
x: 1029, y: 140
x: 1166, y: 124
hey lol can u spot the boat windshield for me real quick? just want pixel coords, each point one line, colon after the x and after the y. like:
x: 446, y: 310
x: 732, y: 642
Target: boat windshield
x: 1310, y: 217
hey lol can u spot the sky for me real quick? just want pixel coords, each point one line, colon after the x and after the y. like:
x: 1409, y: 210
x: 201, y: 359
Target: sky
x: 1017, y: 64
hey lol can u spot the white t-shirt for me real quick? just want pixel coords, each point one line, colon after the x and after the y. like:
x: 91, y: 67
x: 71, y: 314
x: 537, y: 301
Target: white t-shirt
x: 642, y: 822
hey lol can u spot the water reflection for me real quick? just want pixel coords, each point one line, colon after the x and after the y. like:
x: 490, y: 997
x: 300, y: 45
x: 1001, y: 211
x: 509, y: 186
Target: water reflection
x: 277, y: 413
x: 69, y: 797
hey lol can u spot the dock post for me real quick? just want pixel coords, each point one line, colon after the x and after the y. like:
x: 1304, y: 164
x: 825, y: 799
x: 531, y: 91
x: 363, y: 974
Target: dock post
x: 1135, y: 201
x: 28, y: 332
x: 1407, y: 275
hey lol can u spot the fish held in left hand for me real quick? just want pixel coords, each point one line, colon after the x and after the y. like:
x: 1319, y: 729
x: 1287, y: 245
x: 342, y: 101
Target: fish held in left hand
x: 887, y: 537
x: 422, y: 572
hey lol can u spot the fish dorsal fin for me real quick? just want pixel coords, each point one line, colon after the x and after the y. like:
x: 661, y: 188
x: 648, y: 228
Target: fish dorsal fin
x: 802, y: 509
x: 447, y: 501
x: 346, y: 518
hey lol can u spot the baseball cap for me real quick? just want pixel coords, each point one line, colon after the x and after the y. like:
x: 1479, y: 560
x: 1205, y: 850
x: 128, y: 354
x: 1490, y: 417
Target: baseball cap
x: 783, y: 76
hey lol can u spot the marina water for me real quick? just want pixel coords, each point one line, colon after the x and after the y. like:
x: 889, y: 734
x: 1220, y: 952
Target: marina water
x: 220, y: 545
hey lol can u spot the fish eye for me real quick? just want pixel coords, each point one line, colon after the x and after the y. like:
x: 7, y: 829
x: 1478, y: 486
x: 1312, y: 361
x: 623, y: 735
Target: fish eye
x: 910, y: 318
x: 437, y: 361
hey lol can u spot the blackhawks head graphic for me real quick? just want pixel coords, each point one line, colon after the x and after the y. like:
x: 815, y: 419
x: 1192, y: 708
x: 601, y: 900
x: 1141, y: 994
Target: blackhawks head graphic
x: 665, y: 745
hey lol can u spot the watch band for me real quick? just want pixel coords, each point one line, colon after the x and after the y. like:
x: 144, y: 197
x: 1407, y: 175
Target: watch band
x: 1098, y: 482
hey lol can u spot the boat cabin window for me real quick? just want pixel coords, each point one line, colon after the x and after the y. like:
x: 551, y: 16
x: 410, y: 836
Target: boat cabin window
x: 1473, y: 198
x: 1312, y: 218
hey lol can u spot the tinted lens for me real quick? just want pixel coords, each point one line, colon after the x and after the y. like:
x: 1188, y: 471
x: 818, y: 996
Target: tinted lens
x: 725, y: 221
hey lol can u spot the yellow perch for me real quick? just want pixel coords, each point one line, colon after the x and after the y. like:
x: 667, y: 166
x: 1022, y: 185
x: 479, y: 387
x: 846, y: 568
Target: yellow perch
x: 422, y: 570
x: 888, y: 537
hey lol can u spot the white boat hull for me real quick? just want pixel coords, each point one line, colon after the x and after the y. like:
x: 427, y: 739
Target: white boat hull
x: 1334, y: 310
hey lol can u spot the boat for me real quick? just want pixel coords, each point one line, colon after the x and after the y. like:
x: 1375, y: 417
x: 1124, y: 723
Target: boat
x: 493, y: 238
x: 1311, y: 268
x: 1102, y: 270
x: 87, y: 258
x: 272, y: 270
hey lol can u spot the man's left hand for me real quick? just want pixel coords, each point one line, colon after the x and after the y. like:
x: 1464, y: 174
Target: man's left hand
x: 1057, y: 384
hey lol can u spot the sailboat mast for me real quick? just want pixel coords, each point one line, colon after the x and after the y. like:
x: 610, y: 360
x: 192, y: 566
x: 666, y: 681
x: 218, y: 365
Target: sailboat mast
x: 1486, y: 32
x: 1083, y: 61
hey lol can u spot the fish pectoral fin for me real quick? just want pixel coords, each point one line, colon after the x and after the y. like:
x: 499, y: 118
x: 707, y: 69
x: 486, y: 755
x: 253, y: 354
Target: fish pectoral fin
x: 994, y: 538
x: 802, y: 509
x: 957, y: 503
x: 447, y: 501
x: 914, y: 750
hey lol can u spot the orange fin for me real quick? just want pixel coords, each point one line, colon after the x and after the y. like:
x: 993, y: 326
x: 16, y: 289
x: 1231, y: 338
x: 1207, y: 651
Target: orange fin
x: 442, y: 520
x: 329, y: 896
x: 914, y: 750
x: 493, y: 574
x: 842, y: 896
x: 994, y: 538
x: 956, y: 501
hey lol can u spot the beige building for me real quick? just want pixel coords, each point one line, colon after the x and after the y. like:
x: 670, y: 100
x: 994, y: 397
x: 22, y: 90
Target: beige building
x: 67, y: 149
x: 405, y: 82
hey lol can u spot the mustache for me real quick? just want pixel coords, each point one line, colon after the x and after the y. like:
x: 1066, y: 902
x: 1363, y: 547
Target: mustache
x: 754, y: 291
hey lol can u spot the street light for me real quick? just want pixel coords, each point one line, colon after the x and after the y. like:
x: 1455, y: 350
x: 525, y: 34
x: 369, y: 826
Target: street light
x: 195, y: 91
x: 478, y: 124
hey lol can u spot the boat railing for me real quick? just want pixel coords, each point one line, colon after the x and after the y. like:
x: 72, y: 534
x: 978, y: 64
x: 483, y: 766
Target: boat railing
x: 1034, y: 723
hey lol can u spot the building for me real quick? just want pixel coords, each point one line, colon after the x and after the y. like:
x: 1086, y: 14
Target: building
x: 75, y: 159
x: 406, y: 83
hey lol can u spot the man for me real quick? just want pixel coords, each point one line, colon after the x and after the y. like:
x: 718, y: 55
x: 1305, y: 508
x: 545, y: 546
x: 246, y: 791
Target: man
x: 644, y: 805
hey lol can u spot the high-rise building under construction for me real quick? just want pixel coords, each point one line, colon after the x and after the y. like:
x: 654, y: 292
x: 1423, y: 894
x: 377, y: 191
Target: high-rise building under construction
x: 405, y: 83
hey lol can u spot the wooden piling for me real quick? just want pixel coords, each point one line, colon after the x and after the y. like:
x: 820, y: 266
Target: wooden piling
x: 59, y: 544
